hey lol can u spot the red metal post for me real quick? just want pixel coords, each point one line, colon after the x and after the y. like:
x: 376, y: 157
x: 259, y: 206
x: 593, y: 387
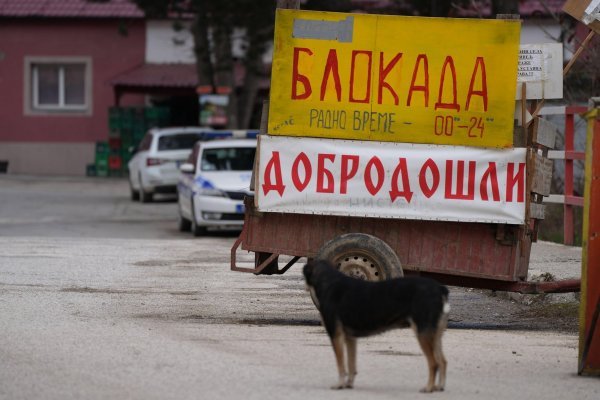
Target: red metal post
x: 570, y: 155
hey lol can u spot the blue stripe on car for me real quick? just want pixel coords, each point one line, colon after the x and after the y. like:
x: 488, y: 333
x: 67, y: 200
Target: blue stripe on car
x: 203, y: 183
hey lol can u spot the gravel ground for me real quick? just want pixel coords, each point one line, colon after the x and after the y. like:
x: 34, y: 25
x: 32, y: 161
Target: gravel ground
x: 104, y: 298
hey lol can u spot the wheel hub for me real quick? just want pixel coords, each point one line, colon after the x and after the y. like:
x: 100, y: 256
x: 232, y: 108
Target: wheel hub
x: 358, y: 266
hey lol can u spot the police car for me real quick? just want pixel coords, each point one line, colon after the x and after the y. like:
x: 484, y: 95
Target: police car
x: 213, y: 183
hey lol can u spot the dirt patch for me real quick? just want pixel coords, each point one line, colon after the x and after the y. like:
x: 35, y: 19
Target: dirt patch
x: 483, y: 309
x: 154, y: 263
x: 86, y: 289
x: 552, y: 316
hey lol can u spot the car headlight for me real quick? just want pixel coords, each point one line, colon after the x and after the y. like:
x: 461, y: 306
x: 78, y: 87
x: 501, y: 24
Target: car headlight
x: 211, y: 216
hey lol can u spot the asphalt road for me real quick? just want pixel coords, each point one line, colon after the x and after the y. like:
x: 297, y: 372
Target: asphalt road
x: 103, y: 298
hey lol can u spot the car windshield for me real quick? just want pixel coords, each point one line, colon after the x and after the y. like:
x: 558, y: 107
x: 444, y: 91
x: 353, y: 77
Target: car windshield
x: 178, y: 142
x: 228, y: 159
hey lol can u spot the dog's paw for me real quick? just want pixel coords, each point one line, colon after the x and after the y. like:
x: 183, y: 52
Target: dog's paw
x: 338, y: 386
x: 438, y: 388
x: 427, y: 389
x: 350, y: 381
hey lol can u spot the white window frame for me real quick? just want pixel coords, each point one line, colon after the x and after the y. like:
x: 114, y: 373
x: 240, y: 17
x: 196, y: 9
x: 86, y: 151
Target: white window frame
x: 32, y: 105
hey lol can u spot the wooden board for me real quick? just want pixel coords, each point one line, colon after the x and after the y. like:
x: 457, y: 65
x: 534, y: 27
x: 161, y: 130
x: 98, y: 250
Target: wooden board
x: 545, y: 132
x: 537, y: 211
x: 541, y: 174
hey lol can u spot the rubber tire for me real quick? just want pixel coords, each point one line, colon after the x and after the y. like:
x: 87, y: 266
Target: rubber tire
x: 135, y: 194
x: 196, y: 230
x: 145, y: 197
x: 362, y: 256
x: 185, y: 225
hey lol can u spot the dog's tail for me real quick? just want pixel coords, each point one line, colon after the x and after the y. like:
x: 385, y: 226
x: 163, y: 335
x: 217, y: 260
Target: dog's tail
x: 445, y: 294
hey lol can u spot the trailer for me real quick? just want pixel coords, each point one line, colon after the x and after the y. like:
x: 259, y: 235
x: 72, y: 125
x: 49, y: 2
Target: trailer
x: 476, y: 232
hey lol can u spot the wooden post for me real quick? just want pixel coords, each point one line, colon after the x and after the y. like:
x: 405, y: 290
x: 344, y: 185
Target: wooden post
x: 578, y: 52
x: 264, y: 118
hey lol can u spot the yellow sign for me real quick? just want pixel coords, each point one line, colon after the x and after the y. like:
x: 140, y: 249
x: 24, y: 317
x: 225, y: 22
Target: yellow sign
x: 394, y: 78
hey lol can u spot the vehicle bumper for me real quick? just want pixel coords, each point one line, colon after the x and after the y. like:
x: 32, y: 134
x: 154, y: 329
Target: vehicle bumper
x: 165, y: 189
x: 219, y: 212
x: 159, y: 181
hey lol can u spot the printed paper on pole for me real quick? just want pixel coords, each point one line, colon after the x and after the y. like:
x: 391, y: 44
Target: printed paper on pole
x: 541, y: 67
x: 391, y: 180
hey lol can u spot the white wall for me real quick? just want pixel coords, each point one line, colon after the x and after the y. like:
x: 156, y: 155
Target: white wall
x: 165, y: 45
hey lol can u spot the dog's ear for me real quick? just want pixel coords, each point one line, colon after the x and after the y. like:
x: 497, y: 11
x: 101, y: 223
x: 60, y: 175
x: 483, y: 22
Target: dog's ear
x: 308, y: 271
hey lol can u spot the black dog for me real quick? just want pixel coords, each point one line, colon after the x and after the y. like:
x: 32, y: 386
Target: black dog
x: 351, y: 308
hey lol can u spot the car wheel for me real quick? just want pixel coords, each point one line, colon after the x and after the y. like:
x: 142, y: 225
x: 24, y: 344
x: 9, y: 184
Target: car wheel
x: 196, y: 229
x: 184, y: 224
x: 362, y: 256
x: 145, y: 197
x: 135, y: 194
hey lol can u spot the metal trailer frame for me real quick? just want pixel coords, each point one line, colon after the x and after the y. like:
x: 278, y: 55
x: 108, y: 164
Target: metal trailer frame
x: 486, y: 256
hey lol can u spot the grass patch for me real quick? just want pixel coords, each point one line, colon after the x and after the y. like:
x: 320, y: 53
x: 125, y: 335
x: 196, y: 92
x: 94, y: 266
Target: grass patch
x: 557, y: 310
x: 552, y: 226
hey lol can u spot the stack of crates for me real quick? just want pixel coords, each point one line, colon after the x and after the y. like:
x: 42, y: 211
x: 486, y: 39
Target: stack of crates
x: 127, y: 126
x: 156, y: 116
x: 101, y: 163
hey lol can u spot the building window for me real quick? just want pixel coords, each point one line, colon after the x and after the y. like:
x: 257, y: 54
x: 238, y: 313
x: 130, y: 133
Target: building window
x: 58, y: 85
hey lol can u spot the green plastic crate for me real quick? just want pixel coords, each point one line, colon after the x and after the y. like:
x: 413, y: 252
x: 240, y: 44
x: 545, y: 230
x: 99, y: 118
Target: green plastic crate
x: 160, y: 113
x: 101, y: 148
x: 114, y: 118
x: 127, y: 117
x: 101, y: 171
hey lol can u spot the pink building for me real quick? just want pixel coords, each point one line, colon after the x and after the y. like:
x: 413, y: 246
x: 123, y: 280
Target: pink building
x: 64, y: 63
x: 57, y: 58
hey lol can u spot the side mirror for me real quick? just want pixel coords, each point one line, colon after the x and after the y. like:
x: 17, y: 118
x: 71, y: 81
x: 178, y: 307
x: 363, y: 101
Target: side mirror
x: 187, y: 168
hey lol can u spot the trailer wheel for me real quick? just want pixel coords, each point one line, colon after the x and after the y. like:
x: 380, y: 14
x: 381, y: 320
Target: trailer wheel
x: 362, y: 256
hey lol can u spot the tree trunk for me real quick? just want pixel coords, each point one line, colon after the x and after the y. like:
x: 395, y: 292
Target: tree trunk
x: 505, y: 7
x: 204, y: 67
x: 224, y: 71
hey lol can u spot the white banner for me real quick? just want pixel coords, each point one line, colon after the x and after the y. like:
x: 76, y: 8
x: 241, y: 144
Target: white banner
x: 391, y: 180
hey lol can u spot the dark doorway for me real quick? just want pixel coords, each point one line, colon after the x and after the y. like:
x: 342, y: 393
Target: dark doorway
x: 184, y: 110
